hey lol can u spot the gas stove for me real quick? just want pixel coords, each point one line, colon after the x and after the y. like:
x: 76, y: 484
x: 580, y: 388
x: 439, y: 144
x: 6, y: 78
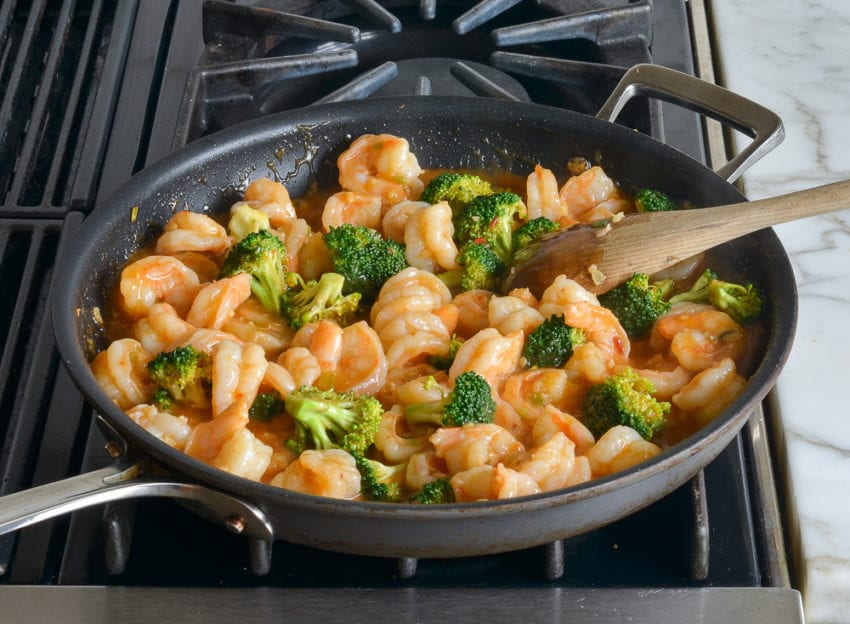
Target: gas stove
x: 95, y: 91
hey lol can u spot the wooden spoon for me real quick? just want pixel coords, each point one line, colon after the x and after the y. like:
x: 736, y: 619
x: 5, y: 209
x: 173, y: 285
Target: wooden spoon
x: 651, y: 241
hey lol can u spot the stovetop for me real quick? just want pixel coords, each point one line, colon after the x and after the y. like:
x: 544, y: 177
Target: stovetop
x: 98, y: 90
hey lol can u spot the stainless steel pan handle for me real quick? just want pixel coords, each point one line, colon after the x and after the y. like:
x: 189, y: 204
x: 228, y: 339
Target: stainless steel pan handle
x: 122, y: 480
x: 727, y: 107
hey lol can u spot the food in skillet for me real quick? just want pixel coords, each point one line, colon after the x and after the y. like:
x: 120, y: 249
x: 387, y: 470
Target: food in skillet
x: 356, y: 346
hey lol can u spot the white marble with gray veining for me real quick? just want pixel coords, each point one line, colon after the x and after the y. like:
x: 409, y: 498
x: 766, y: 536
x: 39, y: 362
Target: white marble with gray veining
x: 793, y: 56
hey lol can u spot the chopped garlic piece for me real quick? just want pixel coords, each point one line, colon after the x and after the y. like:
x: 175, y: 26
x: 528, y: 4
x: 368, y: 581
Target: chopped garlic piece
x: 595, y: 274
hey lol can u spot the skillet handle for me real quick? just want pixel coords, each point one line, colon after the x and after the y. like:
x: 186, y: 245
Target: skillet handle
x: 122, y: 480
x: 754, y: 120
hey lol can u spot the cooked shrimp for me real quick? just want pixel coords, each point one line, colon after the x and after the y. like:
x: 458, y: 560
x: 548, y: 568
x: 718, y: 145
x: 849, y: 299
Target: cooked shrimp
x: 314, y: 258
x: 531, y: 391
x: 667, y: 383
x: 410, y: 282
x: 551, y: 464
x: 354, y: 208
x: 474, y: 445
x: 428, y: 239
x: 544, y: 199
x: 711, y: 391
x: 410, y: 323
x: 424, y: 389
x: 397, y: 377
x: 553, y: 421
x: 424, y: 468
x: 589, y: 363
x: 301, y: 364
x: 272, y: 198
x: 280, y: 379
x: 489, y: 354
x: 200, y: 263
x: 508, y: 418
x: 619, y: 448
x: 602, y: 329
x: 251, y: 322
x: 244, y: 456
x: 510, y: 314
x: 562, y: 292
x: 395, y: 220
x: 206, y: 339
x: 330, y: 473
x: 161, y: 330
x: 237, y: 372
x: 381, y: 165
x: 592, y: 195
x: 525, y: 295
x: 121, y: 372
x: 415, y: 348
x: 492, y: 483
x: 324, y: 341
x: 701, y: 336
x: 171, y: 429
x: 192, y: 231
x: 208, y: 438
x: 294, y: 236
x: 157, y: 278
x: 362, y: 366
x: 474, y: 306
x: 395, y: 439
x: 216, y: 302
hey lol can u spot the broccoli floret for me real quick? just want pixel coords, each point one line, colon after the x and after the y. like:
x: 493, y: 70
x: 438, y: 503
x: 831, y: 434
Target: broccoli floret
x: 699, y: 289
x: 434, y: 492
x: 262, y: 255
x: 456, y: 188
x: 266, y: 406
x: 624, y: 399
x: 327, y: 419
x: 531, y: 231
x: 183, y: 376
x: 636, y: 303
x: 480, y: 268
x: 378, y: 481
x: 443, y: 361
x: 318, y: 300
x: 244, y: 220
x: 489, y: 219
x: 364, y: 258
x: 648, y: 200
x: 470, y: 401
x: 551, y: 344
x: 742, y: 302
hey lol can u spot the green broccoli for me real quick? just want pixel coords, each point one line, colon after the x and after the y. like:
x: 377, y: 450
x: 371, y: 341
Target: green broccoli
x: 456, y: 188
x: 183, y: 376
x: 262, y: 255
x: 327, y: 419
x: 531, y: 231
x: 266, y: 406
x: 742, y: 302
x: 636, y: 303
x: 443, y: 361
x: 364, y: 258
x: 490, y: 219
x: 698, y: 292
x: 318, y: 300
x: 244, y: 220
x: 378, y: 481
x: 470, y: 401
x: 480, y: 268
x: 434, y: 492
x: 551, y: 344
x: 624, y: 399
x: 648, y: 200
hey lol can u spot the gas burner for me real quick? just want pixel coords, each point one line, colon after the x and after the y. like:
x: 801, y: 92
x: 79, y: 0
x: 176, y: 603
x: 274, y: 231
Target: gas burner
x: 281, y: 55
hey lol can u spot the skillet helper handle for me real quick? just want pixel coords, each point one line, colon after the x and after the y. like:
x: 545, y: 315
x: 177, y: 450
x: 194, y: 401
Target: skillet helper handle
x: 727, y: 107
x: 123, y: 480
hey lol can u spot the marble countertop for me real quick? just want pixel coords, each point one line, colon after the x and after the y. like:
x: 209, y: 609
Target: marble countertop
x: 792, y: 57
